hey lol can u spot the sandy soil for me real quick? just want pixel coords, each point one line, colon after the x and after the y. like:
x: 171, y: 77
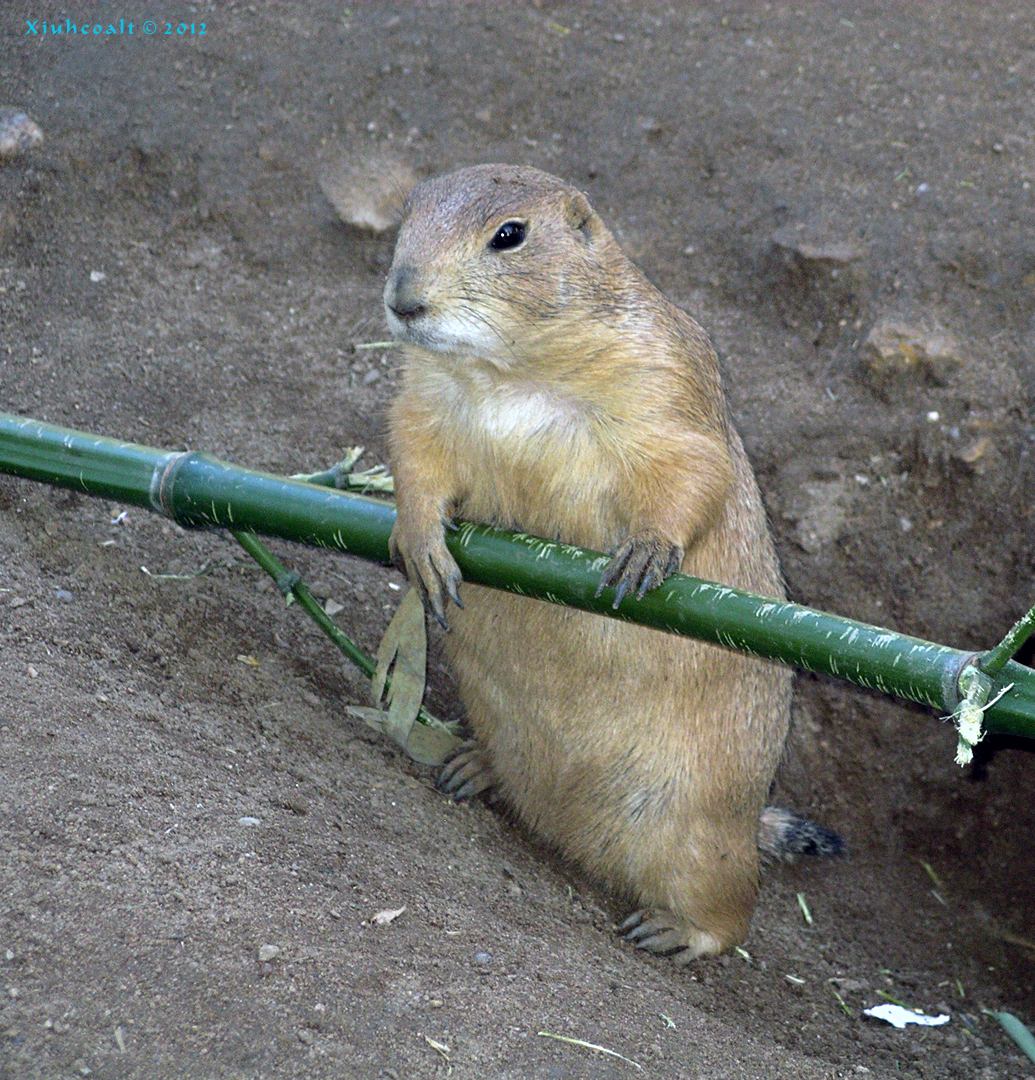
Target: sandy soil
x: 799, y: 177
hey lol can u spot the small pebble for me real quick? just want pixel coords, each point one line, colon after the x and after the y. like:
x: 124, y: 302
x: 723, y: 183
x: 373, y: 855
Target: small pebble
x: 63, y: 594
x: 268, y: 952
x: 248, y: 821
x: 17, y: 133
x: 482, y: 957
x: 305, y: 1037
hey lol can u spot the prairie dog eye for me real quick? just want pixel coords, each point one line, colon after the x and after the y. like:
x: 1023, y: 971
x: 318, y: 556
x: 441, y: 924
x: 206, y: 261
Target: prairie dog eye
x: 509, y: 235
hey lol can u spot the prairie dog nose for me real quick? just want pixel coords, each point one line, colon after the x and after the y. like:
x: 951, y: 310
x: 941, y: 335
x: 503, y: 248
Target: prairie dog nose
x: 402, y: 293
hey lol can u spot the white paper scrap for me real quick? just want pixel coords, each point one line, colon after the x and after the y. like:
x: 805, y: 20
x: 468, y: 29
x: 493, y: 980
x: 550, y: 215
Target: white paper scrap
x: 899, y: 1017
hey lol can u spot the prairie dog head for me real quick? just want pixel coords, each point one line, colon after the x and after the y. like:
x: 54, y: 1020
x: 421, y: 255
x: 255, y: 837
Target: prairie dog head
x: 494, y: 259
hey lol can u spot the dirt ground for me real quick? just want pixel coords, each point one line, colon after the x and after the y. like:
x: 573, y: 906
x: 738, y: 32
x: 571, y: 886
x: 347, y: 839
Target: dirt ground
x: 195, y: 836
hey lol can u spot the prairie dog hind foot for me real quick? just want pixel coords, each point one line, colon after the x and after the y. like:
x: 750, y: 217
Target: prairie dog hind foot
x: 662, y: 932
x: 466, y: 774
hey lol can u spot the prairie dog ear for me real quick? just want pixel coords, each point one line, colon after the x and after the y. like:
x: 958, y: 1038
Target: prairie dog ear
x: 583, y: 218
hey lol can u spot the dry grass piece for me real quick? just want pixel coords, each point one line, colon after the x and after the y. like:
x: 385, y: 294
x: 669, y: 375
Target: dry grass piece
x: 589, y: 1046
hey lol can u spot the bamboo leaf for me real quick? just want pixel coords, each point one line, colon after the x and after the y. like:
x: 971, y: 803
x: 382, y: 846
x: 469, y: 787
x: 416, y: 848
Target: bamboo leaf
x: 403, y: 652
x: 431, y: 745
x: 403, y: 657
x: 426, y: 744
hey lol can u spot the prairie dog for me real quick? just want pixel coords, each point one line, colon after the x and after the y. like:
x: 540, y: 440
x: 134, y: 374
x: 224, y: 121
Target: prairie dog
x: 547, y: 386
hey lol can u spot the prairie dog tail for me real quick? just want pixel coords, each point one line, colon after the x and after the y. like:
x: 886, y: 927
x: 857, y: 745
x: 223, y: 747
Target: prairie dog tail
x: 785, y: 834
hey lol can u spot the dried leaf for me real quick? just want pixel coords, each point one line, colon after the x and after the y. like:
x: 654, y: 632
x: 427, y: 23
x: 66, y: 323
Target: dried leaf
x: 389, y: 915
x: 431, y: 745
x: 426, y: 744
x: 589, y: 1046
x: 373, y: 718
x: 975, y: 451
x: 403, y: 653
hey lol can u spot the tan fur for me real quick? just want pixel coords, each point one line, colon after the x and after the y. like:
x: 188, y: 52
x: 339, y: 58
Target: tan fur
x: 552, y: 388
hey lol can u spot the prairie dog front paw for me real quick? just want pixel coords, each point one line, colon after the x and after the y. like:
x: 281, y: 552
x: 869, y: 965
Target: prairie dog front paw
x: 423, y: 556
x: 641, y: 563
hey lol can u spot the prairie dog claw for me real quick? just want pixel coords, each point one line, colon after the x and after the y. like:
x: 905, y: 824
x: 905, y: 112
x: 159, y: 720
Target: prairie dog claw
x: 431, y: 570
x: 640, y: 564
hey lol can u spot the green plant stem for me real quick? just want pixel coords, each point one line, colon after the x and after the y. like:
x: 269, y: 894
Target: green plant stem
x: 991, y: 662
x: 1017, y: 1031
x: 291, y: 585
x: 196, y: 490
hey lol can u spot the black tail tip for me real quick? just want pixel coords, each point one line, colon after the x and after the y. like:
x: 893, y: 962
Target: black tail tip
x: 786, y: 834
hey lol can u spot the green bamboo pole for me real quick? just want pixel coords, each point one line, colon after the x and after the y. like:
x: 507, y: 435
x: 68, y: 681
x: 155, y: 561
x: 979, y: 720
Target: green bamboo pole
x: 196, y: 490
